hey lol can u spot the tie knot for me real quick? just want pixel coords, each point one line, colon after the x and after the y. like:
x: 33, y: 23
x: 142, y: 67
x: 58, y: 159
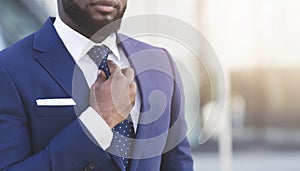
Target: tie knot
x: 99, y: 53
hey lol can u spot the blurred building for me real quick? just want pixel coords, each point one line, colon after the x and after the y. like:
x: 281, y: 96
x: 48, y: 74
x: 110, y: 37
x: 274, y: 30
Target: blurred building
x: 256, y: 40
x: 271, y: 113
x: 20, y: 18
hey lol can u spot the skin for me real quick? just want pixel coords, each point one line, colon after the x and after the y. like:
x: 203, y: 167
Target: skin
x: 89, y: 16
x: 114, y: 97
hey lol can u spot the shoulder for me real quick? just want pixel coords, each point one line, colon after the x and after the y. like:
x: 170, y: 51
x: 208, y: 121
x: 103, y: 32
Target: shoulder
x: 25, y: 48
x: 17, y: 51
x: 139, y: 45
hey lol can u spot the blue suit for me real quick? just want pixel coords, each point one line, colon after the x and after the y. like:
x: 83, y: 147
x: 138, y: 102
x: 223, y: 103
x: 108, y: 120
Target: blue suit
x: 44, y: 138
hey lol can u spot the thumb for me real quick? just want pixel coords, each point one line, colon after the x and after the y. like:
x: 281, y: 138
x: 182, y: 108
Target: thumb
x: 101, y: 76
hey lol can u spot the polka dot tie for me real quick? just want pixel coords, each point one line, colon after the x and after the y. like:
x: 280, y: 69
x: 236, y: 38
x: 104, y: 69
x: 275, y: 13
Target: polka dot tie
x: 99, y: 55
x: 124, y: 131
x: 123, y: 140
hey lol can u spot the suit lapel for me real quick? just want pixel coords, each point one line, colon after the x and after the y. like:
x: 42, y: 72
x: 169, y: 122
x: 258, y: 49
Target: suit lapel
x: 53, y: 56
x: 59, y: 65
x: 141, y: 62
x: 56, y: 60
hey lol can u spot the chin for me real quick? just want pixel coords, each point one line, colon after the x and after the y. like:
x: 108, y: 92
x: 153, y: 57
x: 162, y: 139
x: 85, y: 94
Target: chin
x: 105, y: 19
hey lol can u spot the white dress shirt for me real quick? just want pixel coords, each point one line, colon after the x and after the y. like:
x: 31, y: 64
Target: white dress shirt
x: 78, y: 46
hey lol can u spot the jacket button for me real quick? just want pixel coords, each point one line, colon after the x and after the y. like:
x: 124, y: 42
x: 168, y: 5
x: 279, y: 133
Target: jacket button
x: 91, y: 166
x: 85, y: 169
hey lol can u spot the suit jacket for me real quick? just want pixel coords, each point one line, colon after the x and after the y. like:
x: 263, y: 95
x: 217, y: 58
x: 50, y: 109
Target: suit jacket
x: 44, y: 138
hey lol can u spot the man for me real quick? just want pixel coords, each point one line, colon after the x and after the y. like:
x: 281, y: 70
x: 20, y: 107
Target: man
x: 63, y: 109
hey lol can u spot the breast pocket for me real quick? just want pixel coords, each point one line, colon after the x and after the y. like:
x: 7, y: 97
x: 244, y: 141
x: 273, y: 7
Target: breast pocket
x: 55, y: 111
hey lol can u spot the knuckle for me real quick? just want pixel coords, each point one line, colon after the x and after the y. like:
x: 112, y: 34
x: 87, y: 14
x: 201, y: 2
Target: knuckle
x: 118, y: 77
x: 133, y: 103
x: 130, y: 70
x: 132, y: 86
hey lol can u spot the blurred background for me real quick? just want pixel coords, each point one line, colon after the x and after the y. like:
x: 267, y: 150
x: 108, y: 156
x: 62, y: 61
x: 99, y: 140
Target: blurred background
x: 258, y: 45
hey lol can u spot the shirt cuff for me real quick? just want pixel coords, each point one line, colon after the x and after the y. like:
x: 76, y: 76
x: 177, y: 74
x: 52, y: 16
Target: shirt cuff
x: 97, y: 127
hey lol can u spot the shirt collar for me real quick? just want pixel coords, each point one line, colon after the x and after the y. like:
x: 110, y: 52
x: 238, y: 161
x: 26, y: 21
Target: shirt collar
x: 78, y: 45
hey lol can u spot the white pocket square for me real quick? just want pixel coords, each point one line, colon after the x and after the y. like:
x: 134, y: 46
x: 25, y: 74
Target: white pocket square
x: 56, y: 102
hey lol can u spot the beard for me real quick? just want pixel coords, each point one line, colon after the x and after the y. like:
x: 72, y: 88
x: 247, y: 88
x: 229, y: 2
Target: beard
x: 85, y: 21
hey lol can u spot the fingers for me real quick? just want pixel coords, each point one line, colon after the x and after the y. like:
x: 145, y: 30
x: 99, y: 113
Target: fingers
x: 128, y: 73
x: 114, y: 98
x: 133, y: 87
x: 113, y: 67
x: 101, y: 77
x: 132, y: 94
x: 116, y: 71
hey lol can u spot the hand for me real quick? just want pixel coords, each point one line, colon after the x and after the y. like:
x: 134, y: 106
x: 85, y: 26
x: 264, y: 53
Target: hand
x: 114, y: 98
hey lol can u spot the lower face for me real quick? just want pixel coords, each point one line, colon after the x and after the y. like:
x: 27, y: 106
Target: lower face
x: 92, y: 15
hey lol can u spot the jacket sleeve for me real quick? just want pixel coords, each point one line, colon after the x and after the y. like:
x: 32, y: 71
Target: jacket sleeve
x: 69, y: 150
x: 177, y: 158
